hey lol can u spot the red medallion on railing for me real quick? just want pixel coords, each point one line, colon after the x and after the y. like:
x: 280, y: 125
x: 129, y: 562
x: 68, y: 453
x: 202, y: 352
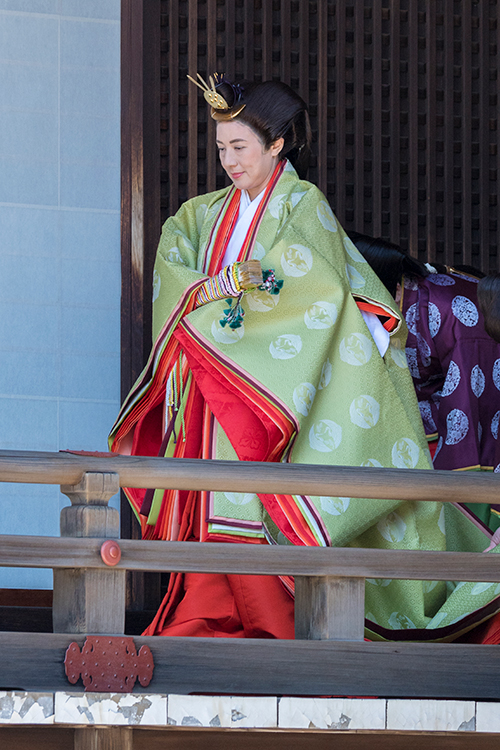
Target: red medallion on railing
x: 108, y: 664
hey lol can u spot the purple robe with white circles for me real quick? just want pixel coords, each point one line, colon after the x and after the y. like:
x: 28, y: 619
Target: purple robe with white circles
x: 455, y: 367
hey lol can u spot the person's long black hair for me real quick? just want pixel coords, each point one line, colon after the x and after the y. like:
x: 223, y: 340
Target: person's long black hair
x: 488, y: 298
x: 389, y: 261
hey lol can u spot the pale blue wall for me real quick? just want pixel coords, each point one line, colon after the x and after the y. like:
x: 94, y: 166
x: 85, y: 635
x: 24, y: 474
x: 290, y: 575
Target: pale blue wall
x: 59, y: 243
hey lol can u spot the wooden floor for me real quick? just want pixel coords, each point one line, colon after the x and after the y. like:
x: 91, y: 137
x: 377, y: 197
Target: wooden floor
x: 52, y: 738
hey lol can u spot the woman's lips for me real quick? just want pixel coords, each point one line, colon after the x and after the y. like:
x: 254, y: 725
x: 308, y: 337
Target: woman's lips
x: 235, y: 175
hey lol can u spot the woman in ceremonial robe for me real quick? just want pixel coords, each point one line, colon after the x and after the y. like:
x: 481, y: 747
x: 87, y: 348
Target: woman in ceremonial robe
x: 275, y: 341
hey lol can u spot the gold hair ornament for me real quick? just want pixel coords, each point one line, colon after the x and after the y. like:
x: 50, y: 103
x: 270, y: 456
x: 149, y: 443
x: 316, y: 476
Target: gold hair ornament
x: 220, y: 108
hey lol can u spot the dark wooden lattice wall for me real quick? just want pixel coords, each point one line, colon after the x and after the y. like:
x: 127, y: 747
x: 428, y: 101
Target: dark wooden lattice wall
x: 403, y: 102
x: 403, y: 97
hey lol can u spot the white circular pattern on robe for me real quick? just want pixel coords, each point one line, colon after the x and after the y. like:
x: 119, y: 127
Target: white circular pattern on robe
x: 382, y: 582
x: 477, y: 381
x: 364, y: 412
x: 452, y: 379
x: 326, y: 217
x: 434, y: 319
x: 457, y: 426
x: 326, y: 375
x: 399, y: 621
x: 297, y: 260
x: 465, y: 311
x: 426, y: 414
x: 440, y: 279
x: 460, y: 617
x: 438, y: 447
x: 424, y: 350
x: 437, y: 620
x: 411, y: 358
x: 320, y: 315
x: 428, y: 586
x: 392, y: 528
x: 335, y: 506
x: 259, y: 251
x: 356, y: 349
x: 227, y: 335
x: 259, y: 300
x: 353, y: 251
x: 187, y: 243
x: 410, y: 284
x: 480, y: 588
x: 325, y: 436
x: 412, y: 315
x: 496, y: 374
x: 156, y: 285
x: 494, y: 425
x: 173, y: 255
x: 496, y: 470
x: 398, y: 356
x: 356, y: 281
x: 296, y: 197
x: 372, y: 462
x: 286, y: 346
x: 442, y: 518
x: 303, y: 397
x: 405, y: 454
x: 276, y: 205
x: 240, y: 498
x: 201, y: 212
x: 214, y: 208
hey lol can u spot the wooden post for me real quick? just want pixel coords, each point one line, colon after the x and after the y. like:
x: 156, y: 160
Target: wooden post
x: 90, y: 600
x: 103, y: 738
x: 329, y: 608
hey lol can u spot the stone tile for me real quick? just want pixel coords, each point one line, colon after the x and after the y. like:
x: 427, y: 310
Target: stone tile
x: 431, y: 715
x: 254, y: 712
x: 133, y: 709
x: 199, y: 711
x: 488, y: 717
x: 331, y: 713
x: 26, y: 708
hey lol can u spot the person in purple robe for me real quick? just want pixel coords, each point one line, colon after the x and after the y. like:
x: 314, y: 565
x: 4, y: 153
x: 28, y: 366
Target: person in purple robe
x: 454, y: 363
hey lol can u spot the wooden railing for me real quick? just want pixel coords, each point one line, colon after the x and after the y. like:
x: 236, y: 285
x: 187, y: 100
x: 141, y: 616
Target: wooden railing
x: 328, y: 656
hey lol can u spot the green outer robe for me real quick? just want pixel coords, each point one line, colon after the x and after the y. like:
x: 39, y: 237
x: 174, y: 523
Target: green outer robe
x: 309, y: 349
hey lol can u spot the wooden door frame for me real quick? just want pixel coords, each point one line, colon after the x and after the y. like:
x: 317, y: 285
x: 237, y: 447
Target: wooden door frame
x: 140, y: 210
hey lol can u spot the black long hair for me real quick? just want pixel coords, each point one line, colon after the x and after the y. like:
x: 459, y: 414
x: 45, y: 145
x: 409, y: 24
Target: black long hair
x: 488, y: 298
x: 389, y: 261
x: 273, y: 110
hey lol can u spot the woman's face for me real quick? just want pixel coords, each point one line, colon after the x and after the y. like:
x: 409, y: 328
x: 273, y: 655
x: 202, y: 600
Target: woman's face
x: 244, y: 158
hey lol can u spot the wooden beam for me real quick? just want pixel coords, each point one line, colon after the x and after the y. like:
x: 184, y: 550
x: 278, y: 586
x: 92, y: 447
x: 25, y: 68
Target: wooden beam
x: 58, y: 552
x: 250, y: 476
x: 103, y: 738
x: 197, y: 738
x: 329, y: 608
x: 89, y: 600
x: 274, y: 667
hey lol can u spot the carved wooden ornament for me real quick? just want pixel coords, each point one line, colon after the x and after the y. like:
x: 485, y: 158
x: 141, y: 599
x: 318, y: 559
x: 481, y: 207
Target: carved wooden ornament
x: 108, y: 664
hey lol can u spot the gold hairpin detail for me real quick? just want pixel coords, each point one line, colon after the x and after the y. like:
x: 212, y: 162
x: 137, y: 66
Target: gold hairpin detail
x: 211, y: 96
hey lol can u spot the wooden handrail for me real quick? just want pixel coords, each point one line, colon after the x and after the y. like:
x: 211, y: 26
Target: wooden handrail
x: 248, y: 476
x: 186, y: 557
